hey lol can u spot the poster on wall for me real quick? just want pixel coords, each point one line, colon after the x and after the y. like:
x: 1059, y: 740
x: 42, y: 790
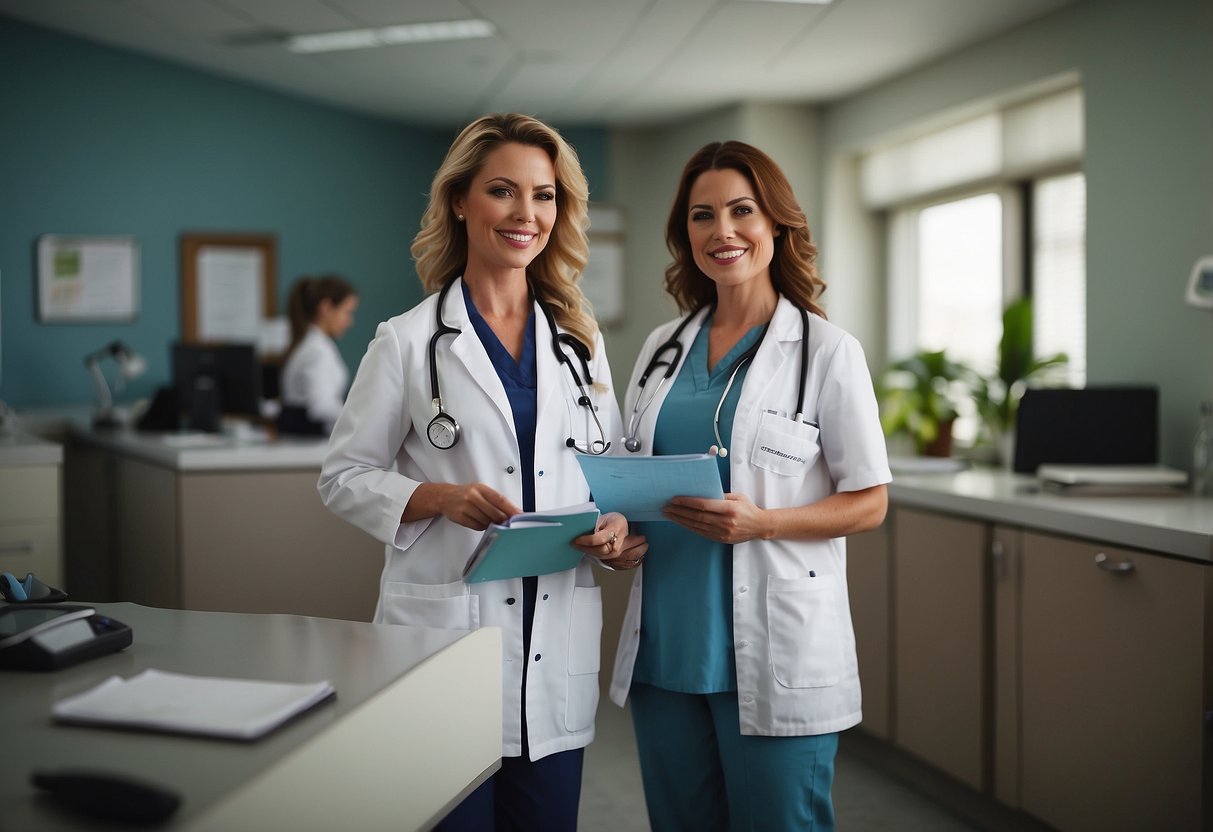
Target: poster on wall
x: 227, y: 286
x: 87, y: 279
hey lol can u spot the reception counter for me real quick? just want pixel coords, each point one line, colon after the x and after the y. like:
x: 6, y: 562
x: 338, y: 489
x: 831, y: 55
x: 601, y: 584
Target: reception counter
x: 415, y: 725
x: 1052, y: 653
x: 1179, y: 524
x: 211, y: 522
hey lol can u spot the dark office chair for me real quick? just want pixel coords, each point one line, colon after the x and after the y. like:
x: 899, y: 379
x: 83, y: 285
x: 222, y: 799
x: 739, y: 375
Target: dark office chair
x: 294, y: 421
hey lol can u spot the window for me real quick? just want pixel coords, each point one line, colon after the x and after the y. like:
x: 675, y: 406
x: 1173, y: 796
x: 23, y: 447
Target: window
x: 1059, y: 278
x: 955, y: 264
x: 960, y: 278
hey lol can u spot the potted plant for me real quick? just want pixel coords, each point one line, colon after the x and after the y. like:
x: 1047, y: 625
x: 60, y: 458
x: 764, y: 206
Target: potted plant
x: 919, y: 397
x: 997, y: 397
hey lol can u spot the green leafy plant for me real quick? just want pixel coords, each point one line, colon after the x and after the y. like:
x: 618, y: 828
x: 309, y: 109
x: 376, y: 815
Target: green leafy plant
x: 997, y: 397
x: 919, y: 398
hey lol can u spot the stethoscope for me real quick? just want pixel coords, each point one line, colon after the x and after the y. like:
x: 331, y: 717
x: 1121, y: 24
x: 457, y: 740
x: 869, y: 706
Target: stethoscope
x: 443, y: 431
x: 632, y: 441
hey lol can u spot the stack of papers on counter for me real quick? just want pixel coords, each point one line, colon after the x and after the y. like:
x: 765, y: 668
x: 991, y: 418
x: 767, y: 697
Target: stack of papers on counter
x: 241, y: 709
x: 1112, y: 480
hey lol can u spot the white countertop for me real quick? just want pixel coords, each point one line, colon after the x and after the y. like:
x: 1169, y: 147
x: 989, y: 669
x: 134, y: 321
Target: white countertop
x: 196, y: 452
x: 27, y: 449
x: 1175, y: 525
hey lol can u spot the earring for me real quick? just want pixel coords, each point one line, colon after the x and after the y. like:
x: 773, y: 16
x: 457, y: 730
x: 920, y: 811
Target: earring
x: 459, y: 217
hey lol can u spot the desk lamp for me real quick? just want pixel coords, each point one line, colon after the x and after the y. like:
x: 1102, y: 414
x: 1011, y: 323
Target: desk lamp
x: 130, y: 365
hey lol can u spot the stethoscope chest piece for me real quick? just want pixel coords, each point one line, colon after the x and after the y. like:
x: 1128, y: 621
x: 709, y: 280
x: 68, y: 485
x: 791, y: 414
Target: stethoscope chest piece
x: 443, y: 431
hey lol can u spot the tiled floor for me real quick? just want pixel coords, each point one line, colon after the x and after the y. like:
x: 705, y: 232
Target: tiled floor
x: 865, y: 800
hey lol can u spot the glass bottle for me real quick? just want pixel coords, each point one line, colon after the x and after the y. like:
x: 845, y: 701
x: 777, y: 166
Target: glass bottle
x: 1202, y: 453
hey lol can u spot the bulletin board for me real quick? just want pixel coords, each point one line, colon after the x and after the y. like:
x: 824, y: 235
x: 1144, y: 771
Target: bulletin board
x: 227, y: 286
x: 85, y: 279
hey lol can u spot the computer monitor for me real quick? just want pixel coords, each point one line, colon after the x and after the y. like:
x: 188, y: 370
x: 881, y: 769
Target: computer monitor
x: 214, y: 379
x: 1088, y: 426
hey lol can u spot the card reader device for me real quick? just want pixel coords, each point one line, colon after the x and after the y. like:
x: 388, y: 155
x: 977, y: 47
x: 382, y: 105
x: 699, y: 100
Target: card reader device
x: 54, y: 636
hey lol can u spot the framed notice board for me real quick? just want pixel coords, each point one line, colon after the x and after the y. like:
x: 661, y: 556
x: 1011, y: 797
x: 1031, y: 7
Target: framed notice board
x: 227, y: 286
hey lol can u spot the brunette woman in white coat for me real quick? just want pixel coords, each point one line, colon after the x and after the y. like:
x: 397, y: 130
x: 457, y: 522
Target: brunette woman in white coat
x: 472, y: 407
x: 314, y: 376
x: 737, y: 649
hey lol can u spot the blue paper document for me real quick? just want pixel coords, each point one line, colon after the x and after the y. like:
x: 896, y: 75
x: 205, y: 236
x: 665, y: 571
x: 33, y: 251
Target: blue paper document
x: 638, y: 487
x: 535, y: 543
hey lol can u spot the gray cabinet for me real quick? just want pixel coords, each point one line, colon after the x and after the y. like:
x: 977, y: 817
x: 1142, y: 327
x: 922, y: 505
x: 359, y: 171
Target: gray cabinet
x: 869, y: 580
x: 1064, y: 678
x: 1115, y: 680
x: 30, y: 521
x: 940, y: 641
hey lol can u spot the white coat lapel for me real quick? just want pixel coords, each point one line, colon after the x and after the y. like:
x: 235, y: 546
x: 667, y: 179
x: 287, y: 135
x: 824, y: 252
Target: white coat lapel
x: 467, y: 349
x: 550, y: 377
x: 772, y: 374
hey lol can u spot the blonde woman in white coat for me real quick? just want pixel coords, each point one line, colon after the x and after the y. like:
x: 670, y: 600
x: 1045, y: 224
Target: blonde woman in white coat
x: 737, y: 650
x: 463, y: 412
x: 314, y: 376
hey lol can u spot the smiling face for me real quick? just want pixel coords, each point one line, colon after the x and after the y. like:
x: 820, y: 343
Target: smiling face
x: 509, y: 209
x: 732, y: 240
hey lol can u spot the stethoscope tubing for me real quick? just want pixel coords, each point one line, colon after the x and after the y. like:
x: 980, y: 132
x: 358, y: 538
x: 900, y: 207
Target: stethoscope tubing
x: 559, y: 341
x: 632, y: 441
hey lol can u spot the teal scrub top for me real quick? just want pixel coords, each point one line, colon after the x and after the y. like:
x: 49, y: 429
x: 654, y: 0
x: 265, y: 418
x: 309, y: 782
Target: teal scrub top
x: 686, y: 629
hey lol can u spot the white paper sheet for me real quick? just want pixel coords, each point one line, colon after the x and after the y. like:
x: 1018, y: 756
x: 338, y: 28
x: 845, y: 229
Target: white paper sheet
x: 243, y: 709
x: 230, y: 292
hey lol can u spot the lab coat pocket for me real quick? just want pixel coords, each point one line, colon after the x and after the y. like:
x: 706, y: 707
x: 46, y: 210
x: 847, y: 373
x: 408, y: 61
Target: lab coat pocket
x: 783, y: 446
x: 440, y: 606
x: 802, y: 624
x: 585, y: 632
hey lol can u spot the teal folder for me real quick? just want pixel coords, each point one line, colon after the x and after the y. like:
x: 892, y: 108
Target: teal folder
x: 638, y: 487
x: 536, y: 543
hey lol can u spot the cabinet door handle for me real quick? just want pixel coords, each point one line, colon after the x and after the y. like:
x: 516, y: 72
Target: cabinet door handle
x: 16, y: 548
x: 999, y: 556
x: 1124, y: 567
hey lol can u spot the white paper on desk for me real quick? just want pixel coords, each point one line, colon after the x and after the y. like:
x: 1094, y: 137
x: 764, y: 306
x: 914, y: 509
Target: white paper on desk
x: 638, y: 487
x: 243, y: 709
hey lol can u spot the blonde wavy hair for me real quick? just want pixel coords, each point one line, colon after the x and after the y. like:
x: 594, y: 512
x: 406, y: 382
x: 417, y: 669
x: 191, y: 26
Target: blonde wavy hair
x: 441, y: 246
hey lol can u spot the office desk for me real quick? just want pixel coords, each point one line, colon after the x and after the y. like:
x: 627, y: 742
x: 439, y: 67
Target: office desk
x: 415, y: 726
x: 211, y: 523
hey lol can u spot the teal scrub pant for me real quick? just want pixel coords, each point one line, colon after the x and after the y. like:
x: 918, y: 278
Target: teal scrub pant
x: 701, y: 773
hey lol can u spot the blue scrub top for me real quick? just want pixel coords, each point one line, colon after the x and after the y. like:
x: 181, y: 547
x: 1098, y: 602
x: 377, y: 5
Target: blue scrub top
x: 518, y: 378
x: 686, y: 629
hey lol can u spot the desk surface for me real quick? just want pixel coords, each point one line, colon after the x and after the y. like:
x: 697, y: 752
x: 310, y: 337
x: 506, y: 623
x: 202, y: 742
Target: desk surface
x: 17, y: 448
x: 1180, y: 525
x: 363, y: 661
x: 197, y: 452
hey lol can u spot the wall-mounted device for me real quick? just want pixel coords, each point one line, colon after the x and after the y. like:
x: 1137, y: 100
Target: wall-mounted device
x: 1200, y: 284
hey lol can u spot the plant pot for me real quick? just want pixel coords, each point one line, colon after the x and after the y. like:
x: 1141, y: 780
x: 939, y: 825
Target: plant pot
x: 942, y: 444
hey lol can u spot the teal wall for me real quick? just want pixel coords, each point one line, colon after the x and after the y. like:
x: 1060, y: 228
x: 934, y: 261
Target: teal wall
x: 98, y: 141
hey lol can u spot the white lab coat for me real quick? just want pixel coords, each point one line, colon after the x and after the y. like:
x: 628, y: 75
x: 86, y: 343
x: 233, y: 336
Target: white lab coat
x: 315, y: 377
x: 379, y: 453
x: 794, y: 646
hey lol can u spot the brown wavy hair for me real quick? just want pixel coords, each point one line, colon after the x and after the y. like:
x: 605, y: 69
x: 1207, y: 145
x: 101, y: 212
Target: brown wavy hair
x: 440, y: 248
x: 794, y: 263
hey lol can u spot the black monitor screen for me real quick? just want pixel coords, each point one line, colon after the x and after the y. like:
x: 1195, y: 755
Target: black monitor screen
x: 1090, y: 426
x: 214, y: 378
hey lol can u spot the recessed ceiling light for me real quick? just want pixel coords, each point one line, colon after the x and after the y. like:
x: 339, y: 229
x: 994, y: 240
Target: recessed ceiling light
x: 801, y: 2
x: 391, y: 35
